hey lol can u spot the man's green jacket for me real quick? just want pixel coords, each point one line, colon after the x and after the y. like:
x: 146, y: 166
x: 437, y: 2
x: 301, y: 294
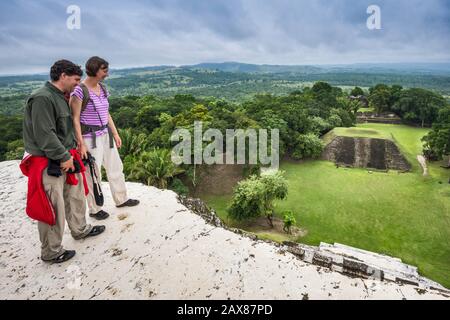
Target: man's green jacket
x: 47, y: 125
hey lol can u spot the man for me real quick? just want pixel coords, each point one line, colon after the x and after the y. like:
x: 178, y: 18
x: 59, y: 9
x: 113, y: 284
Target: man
x: 97, y: 134
x: 48, y: 132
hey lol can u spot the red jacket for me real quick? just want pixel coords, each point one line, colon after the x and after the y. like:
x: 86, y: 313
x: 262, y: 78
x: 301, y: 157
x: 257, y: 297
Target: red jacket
x: 39, y: 206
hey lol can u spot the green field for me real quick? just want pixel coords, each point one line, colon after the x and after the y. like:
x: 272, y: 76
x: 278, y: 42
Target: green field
x: 404, y: 215
x: 366, y: 110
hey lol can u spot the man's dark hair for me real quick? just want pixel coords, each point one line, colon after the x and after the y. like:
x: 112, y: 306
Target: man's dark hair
x: 94, y: 64
x: 64, y: 66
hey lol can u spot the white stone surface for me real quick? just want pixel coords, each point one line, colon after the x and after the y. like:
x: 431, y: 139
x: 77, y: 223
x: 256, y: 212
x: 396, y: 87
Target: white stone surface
x: 160, y: 250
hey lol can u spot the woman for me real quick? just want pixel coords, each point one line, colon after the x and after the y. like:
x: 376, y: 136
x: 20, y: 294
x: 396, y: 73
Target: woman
x: 96, y: 133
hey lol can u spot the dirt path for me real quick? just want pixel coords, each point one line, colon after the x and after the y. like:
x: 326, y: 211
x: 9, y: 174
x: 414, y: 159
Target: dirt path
x: 423, y: 164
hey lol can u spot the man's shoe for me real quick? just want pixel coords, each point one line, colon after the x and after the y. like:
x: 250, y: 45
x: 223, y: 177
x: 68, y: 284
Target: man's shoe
x: 129, y: 203
x: 101, y: 215
x: 96, y: 230
x: 66, y: 255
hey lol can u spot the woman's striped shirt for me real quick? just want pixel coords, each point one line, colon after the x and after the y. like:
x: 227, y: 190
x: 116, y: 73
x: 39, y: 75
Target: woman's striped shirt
x: 97, y: 109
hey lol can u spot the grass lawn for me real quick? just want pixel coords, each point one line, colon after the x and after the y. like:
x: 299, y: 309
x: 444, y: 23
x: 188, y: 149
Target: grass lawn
x: 366, y: 110
x: 400, y: 214
x: 356, y: 132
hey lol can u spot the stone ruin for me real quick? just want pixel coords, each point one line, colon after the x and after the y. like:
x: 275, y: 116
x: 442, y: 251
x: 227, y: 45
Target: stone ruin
x: 362, y: 99
x: 380, y: 154
x: 373, y: 117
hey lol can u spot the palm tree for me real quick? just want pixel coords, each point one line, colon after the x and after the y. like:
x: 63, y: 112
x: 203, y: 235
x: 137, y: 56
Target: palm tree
x: 132, y: 144
x: 155, y: 168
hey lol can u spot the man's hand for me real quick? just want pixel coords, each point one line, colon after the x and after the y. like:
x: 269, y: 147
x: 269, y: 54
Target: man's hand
x: 67, y: 165
x: 118, y: 141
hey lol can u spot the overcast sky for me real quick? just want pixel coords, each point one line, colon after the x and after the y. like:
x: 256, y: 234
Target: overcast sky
x: 130, y: 33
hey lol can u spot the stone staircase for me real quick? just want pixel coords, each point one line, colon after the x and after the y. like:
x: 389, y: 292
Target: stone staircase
x: 380, y: 154
x: 395, y: 158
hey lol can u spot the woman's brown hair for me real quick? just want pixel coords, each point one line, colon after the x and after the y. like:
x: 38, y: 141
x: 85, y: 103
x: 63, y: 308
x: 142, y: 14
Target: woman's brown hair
x: 94, y: 64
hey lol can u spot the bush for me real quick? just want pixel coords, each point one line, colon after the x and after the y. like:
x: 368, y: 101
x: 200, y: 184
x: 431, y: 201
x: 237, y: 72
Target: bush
x: 357, y: 91
x: 128, y: 164
x: 348, y: 119
x: 319, y: 126
x: 437, y: 141
x: 307, y: 146
x: 288, y: 220
x: 335, y: 121
x: 15, y: 150
x: 254, y: 196
x: 178, y: 186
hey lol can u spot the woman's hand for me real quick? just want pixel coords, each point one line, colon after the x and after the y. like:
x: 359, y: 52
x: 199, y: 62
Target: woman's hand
x: 82, y: 149
x: 118, y: 141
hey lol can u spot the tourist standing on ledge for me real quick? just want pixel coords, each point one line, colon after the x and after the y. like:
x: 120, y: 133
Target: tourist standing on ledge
x: 96, y: 133
x: 56, y: 183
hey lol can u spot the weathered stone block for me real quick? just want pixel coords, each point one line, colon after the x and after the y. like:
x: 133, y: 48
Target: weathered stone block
x: 322, y: 260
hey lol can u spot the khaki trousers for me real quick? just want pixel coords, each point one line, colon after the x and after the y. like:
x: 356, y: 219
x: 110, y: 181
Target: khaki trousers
x: 69, y: 203
x: 109, y: 158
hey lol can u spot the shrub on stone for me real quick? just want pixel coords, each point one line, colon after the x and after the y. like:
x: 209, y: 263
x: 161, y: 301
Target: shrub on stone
x: 288, y: 220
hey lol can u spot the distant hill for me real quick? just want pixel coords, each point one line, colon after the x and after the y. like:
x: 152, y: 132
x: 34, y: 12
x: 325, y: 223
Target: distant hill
x: 236, y: 81
x: 256, y: 68
x: 413, y: 68
x: 409, y: 68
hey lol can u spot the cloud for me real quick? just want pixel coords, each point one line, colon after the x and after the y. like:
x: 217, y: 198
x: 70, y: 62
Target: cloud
x: 138, y: 33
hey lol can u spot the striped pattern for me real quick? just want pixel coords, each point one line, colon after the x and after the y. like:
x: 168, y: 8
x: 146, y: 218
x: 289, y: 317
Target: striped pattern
x: 89, y: 116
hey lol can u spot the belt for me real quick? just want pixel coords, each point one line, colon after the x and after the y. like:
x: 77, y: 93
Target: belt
x: 87, y: 128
